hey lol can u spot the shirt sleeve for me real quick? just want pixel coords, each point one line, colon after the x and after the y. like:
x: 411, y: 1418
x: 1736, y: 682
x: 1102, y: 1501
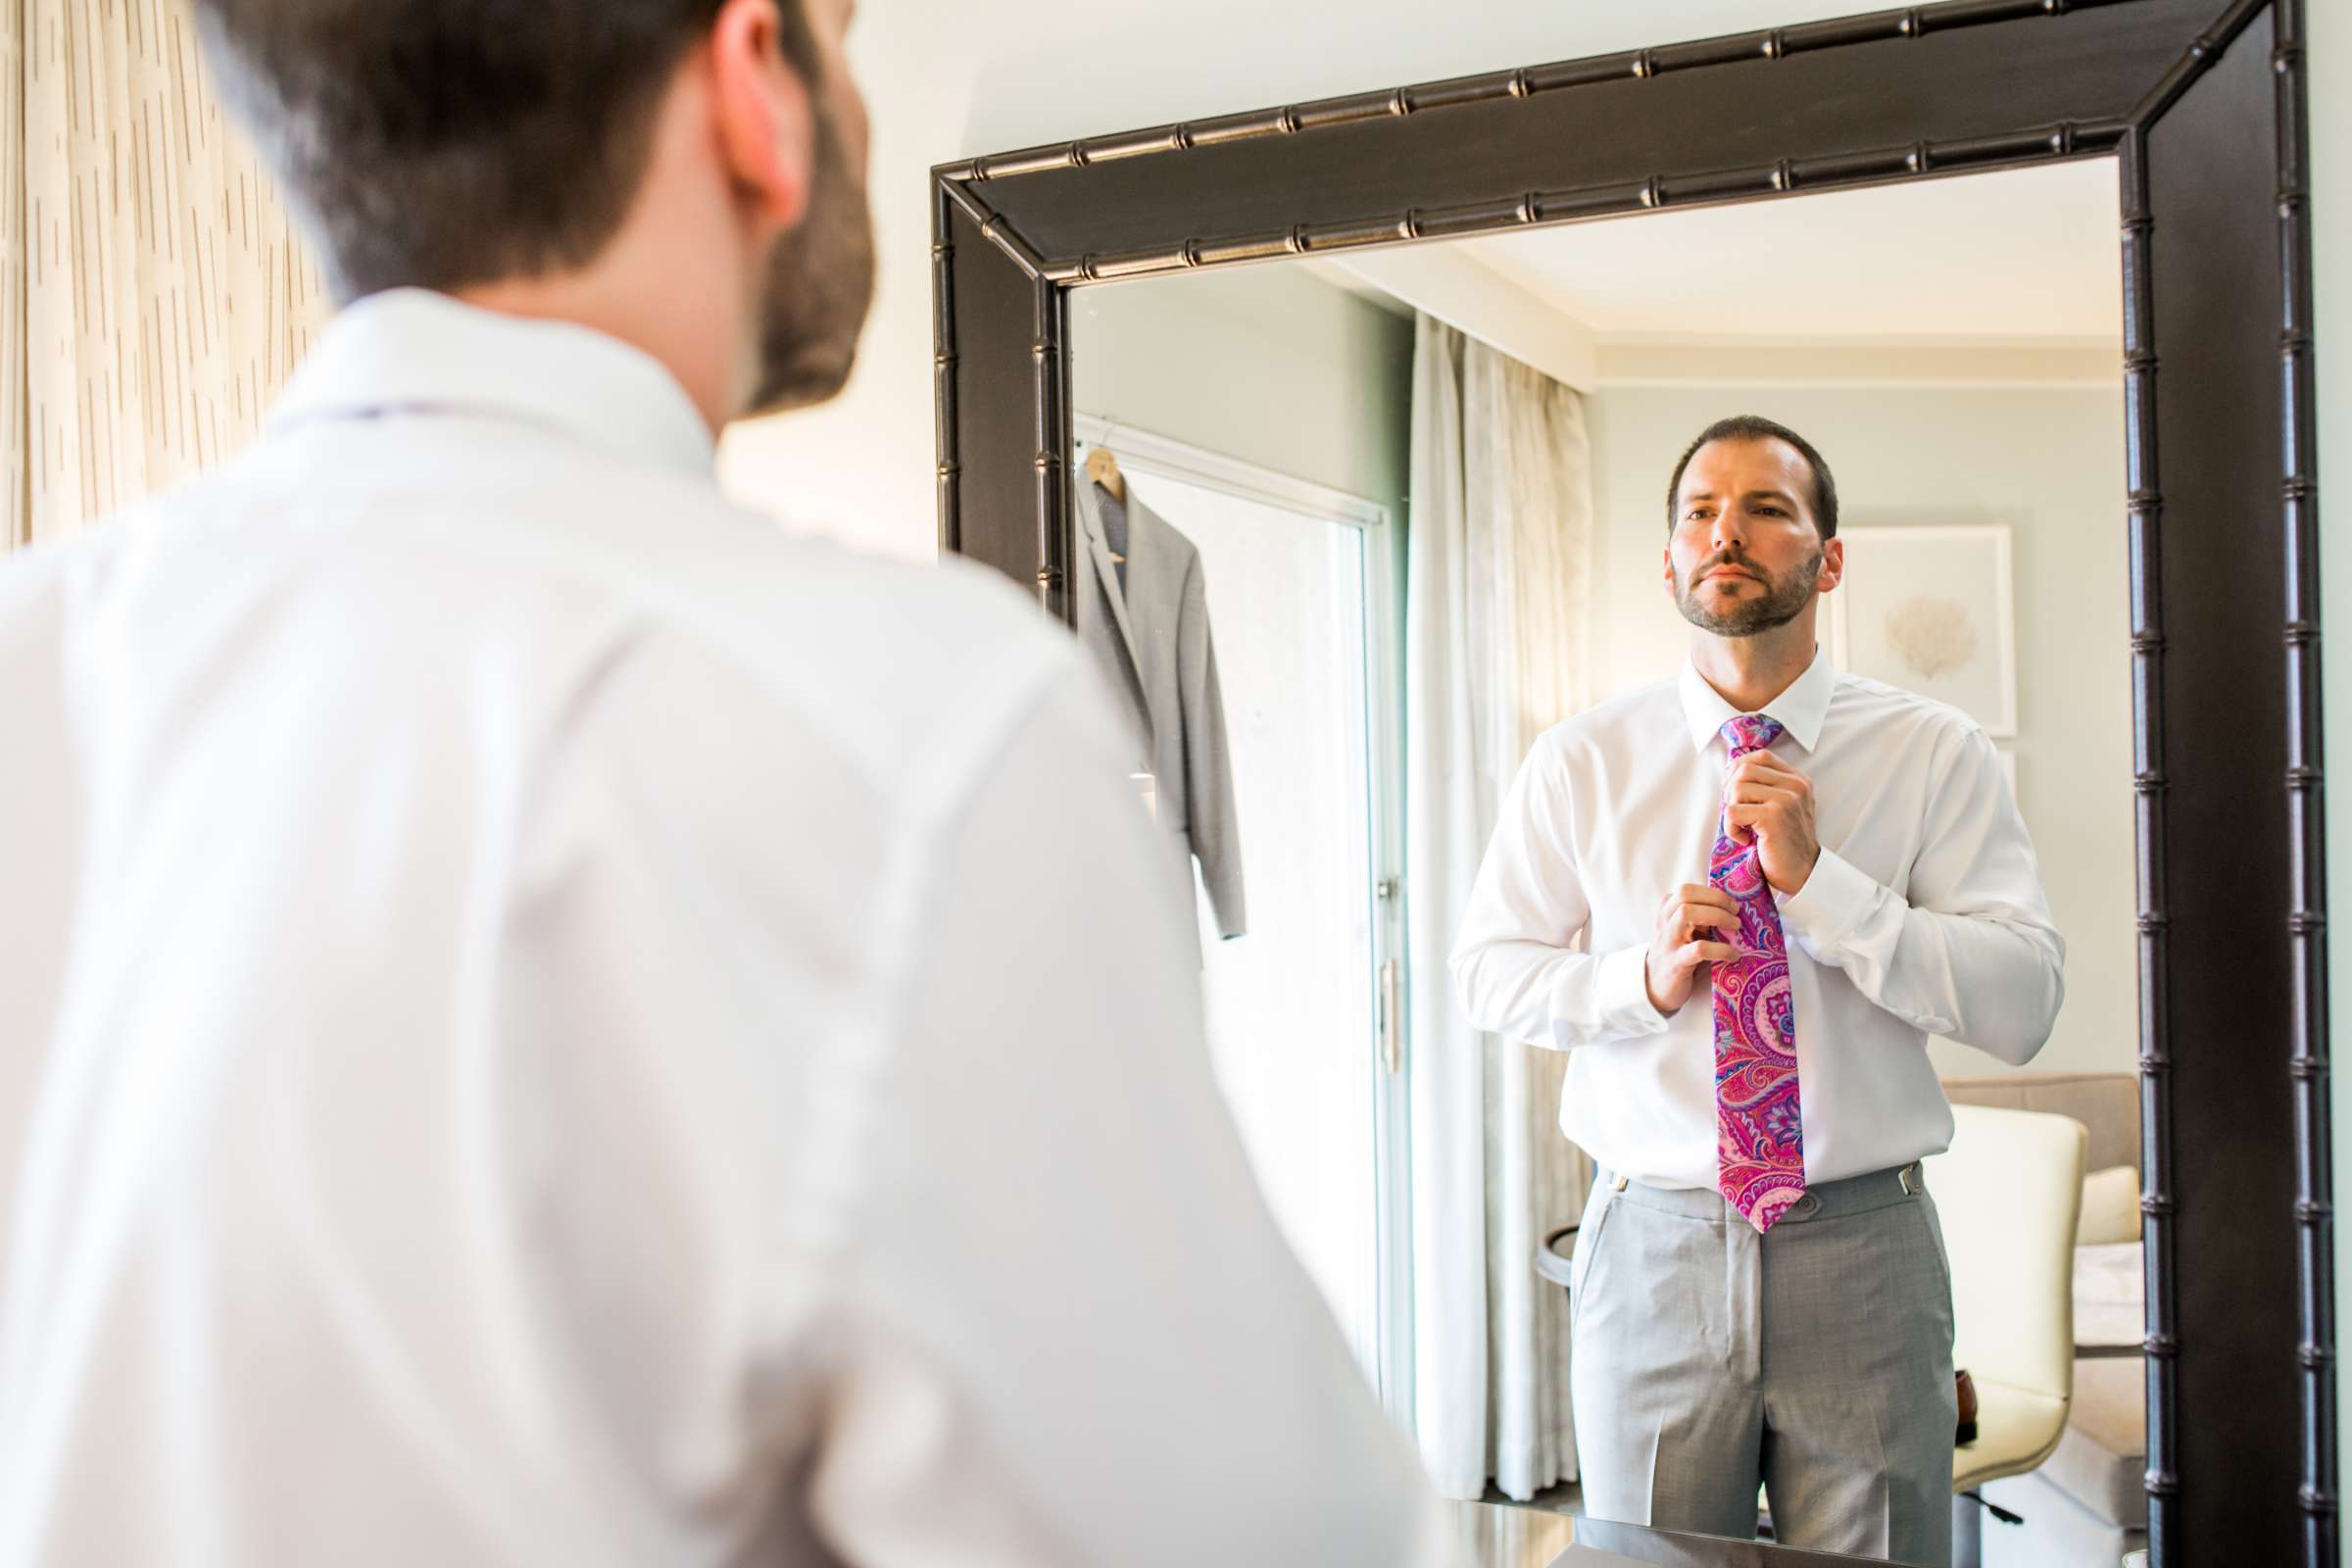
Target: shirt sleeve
x: 1973, y: 952
x: 1066, y: 1281
x: 1513, y: 963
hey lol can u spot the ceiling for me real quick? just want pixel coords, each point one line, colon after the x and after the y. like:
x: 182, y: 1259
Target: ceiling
x: 2017, y: 257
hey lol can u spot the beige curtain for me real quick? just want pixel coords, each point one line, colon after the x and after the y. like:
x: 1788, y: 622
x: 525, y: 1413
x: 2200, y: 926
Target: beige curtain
x: 153, y: 292
x: 1497, y: 614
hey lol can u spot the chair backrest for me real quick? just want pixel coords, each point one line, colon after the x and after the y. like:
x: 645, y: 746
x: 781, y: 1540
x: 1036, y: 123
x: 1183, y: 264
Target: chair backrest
x: 2106, y: 1103
x: 2008, y: 1192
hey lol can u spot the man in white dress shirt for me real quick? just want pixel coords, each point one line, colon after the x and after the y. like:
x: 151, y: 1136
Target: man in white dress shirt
x: 544, y: 1021
x: 1714, y: 1349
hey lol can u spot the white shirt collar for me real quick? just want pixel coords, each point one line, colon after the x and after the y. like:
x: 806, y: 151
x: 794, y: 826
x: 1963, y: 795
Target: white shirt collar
x: 412, y: 349
x: 1801, y: 708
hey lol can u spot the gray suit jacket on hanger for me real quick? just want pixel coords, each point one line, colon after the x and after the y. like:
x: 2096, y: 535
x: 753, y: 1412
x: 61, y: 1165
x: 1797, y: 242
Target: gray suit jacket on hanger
x: 1153, y: 643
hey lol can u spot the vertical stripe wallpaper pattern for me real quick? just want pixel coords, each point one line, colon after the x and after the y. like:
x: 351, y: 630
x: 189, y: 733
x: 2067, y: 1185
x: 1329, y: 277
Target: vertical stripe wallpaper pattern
x: 153, y: 293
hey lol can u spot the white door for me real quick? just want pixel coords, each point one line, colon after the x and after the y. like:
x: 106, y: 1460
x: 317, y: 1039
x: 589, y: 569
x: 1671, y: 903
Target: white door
x: 1301, y: 614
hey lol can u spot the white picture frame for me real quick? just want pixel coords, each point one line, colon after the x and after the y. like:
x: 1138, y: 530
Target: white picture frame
x: 1932, y: 610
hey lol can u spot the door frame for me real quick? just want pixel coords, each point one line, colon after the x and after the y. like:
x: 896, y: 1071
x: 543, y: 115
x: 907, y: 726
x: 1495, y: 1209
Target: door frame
x: 1384, y: 689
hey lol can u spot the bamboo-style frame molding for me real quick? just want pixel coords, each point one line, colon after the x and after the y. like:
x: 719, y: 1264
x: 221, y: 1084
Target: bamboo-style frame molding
x: 961, y: 190
x: 1615, y: 199
x: 2299, y: 501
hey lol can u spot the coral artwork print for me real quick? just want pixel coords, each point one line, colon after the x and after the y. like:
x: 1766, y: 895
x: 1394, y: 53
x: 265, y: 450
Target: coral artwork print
x: 1932, y: 636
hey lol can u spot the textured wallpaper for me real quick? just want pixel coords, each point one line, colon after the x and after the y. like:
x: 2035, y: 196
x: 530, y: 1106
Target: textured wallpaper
x: 153, y: 292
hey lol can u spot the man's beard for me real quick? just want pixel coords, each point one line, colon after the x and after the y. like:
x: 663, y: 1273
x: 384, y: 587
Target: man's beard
x: 1780, y: 603
x: 820, y: 282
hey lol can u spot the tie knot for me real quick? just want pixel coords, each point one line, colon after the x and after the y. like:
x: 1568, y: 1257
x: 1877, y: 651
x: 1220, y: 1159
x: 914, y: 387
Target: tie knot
x: 1751, y: 732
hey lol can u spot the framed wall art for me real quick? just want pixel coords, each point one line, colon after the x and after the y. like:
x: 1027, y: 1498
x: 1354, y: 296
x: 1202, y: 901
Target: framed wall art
x: 1931, y: 611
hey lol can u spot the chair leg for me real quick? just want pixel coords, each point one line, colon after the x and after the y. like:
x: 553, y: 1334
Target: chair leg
x: 1968, y: 1532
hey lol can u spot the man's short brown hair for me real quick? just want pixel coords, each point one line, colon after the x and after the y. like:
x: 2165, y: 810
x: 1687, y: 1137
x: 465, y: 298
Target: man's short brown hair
x: 446, y: 144
x: 1755, y: 428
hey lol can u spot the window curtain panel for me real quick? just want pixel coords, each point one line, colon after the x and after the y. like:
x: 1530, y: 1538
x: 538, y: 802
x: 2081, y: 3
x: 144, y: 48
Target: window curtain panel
x: 154, y: 293
x: 1497, y: 615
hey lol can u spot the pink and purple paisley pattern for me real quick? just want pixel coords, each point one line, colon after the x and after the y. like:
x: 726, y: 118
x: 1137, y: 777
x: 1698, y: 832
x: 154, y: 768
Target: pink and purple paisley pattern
x: 1760, y: 1145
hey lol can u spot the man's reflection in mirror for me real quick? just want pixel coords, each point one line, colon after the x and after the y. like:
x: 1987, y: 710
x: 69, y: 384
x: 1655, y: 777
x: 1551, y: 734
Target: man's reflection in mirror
x: 1785, y: 879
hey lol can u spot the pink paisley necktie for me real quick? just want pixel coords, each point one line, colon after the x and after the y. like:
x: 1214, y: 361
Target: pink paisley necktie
x: 1760, y: 1143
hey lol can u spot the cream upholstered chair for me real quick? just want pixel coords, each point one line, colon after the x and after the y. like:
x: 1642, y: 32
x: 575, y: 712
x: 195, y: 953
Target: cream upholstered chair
x: 2088, y: 1502
x: 2008, y: 1192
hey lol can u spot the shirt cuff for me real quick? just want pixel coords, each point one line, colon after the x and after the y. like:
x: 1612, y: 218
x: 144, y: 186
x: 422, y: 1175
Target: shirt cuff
x: 1623, y: 993
x: 1835, y: 900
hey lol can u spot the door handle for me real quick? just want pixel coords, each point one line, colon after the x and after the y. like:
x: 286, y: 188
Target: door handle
x: 1391, y: 1016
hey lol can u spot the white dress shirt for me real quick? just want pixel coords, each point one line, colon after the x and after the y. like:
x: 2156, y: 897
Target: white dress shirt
x: 545, y: 1021
x: 1923, y: 916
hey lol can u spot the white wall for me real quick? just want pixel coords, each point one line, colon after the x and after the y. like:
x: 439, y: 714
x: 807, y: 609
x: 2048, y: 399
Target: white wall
x: 1268, y: 365
x: 2048, y: 463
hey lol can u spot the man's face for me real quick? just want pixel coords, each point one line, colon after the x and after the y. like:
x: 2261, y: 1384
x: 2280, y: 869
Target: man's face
x: 820, y: 277
x: 1746, y: 555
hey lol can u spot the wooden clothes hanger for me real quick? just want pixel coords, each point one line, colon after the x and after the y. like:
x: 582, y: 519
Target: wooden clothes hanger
x: 1103, y: 470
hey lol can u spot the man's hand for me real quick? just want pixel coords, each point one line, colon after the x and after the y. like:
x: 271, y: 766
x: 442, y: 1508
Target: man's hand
x: 1771, y: 802
x: 1681, y: 945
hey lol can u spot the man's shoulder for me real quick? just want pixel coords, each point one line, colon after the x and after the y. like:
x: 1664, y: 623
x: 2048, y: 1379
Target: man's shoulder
x: 930, y: 623
x: 1638, y: 714
x: 889, y: 664
x: 42, y: 584
x: 1881, y: 707
x: 39, y: 571
x: 904, y: 662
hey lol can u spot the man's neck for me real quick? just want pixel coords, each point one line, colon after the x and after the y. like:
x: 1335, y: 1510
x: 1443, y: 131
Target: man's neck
x: 1748, y: 672
x: 693, y: 356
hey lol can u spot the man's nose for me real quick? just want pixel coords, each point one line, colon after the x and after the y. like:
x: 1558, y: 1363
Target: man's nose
x: 1731, y: 529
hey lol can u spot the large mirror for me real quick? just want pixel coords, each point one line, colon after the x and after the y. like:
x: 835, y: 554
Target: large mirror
x: 1648, y: 708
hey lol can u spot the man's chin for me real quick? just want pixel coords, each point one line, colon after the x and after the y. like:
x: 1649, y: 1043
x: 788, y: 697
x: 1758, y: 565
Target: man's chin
x: 1738, y: 620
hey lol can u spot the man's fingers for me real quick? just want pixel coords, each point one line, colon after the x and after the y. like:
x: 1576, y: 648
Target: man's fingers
x: 1755, y: 792
x: 1764, y: 762
x: 1693, y: 953
x: 1707, y: 914
x: 1702, y: 892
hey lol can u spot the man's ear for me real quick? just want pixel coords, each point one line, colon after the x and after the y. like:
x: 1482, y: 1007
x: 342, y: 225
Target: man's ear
x: 1833, y: 565
x: 765, y: 123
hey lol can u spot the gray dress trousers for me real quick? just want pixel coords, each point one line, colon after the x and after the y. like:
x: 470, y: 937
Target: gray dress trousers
x: 1815, y: 1359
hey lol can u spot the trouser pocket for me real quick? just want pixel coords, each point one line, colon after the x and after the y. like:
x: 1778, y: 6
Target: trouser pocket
x: 1588, y: 1235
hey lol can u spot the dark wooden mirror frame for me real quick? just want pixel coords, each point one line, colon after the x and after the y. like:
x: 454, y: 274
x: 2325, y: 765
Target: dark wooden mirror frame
x: 2202, y: 103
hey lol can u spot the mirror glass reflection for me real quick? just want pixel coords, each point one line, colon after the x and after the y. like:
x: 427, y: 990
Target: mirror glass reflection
x: 1646, y: 706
